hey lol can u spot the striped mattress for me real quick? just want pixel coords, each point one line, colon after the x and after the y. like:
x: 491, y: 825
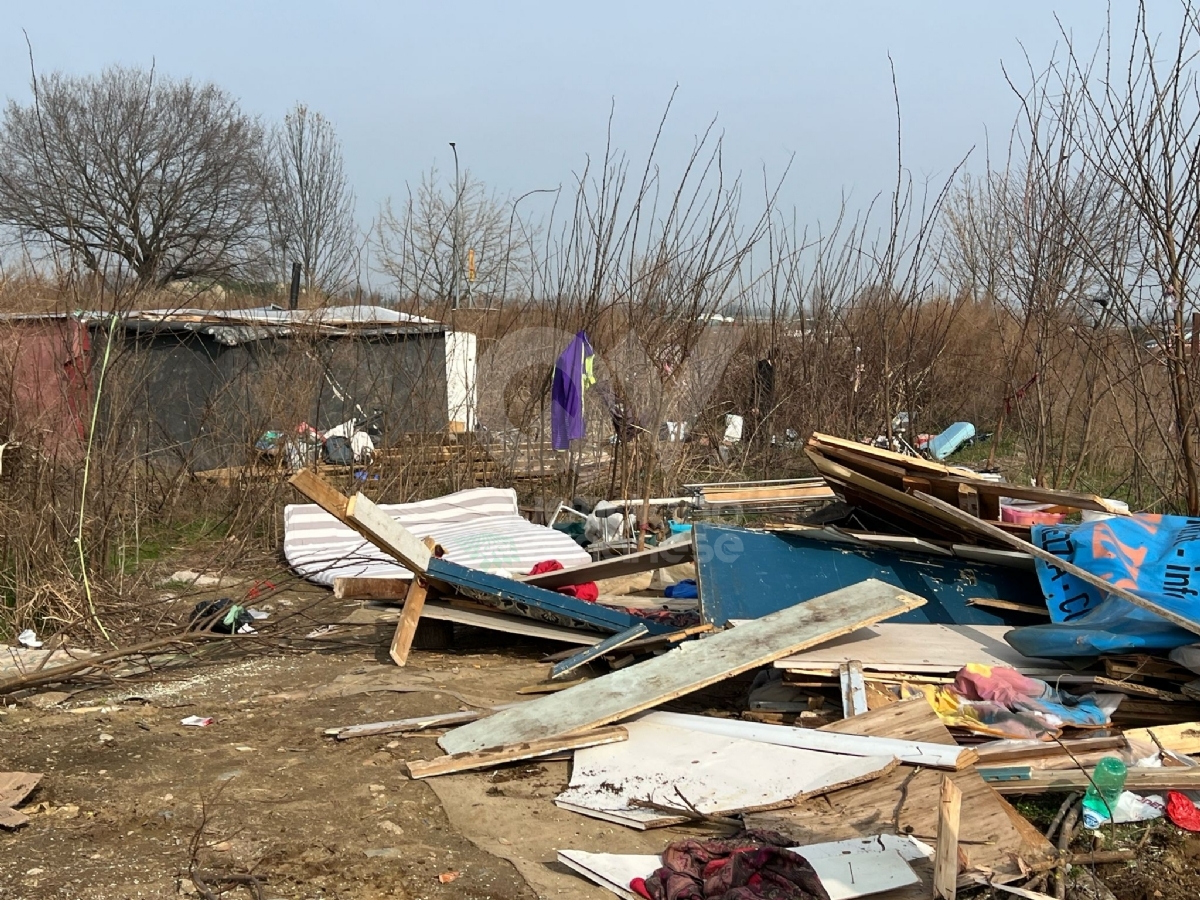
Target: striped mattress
x: 480, y: 528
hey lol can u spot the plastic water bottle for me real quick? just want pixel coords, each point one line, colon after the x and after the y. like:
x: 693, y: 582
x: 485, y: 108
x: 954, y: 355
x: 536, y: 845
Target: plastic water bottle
x: 1108, y: 781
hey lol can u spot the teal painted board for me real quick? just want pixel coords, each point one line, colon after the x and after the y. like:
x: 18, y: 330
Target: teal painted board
x: 745, y: 574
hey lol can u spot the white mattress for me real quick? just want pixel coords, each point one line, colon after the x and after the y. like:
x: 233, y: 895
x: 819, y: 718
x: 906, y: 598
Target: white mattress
x: 480, y: 528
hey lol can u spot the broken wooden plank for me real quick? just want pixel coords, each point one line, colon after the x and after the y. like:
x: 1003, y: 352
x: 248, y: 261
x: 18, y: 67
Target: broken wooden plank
x: 410, y: 617
x: 986, y: 529
x: 616, y: 567
x: 399, y: 726
x: 597, y: 650
x: 945, y: 862
x: 495, y: 756
x: 1182, y: 738
x: 1140, y: 781
x: 347, y: 587
x: 1002, y: 752
x: 686, y: 668
x: 494, y: 620
x: 854, y: 688
x: 910, y: 752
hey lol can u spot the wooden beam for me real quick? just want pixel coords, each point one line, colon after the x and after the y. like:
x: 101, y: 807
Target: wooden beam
x: 482, y: 759
x: 387, y: 534
x: 320, y: 492
x: 997, y: 534
x: 349, y: 587
x: 410, y: 617
x: 597, y: 650
x: 400, y: 726
x: 617, y: 567
x: 945, y: 861
x: 1140, y: 781
x: 854, y: 689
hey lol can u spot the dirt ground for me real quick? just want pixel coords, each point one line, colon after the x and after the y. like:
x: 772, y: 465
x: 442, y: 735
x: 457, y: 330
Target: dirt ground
x: 130, y: 797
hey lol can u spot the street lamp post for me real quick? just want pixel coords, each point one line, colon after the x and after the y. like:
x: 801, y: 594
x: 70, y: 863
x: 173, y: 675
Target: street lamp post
x: 454, y: 233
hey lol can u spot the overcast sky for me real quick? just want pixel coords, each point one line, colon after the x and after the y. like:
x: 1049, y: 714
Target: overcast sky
x: 525, y: 88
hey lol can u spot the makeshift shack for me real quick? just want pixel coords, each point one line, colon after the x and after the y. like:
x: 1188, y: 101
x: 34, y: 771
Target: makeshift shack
x: 202, y: 386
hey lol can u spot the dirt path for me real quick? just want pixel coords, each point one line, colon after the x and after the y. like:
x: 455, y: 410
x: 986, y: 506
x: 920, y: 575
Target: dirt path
x: 128, y: 791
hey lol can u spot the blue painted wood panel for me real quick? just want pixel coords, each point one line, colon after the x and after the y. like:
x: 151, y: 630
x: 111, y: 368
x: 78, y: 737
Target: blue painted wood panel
x: 745, y: 574
x: 534, y: 602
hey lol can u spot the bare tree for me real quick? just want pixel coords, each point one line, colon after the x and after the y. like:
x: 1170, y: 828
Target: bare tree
x: 131, y: 169
x: 416, y: 242
x: 310, y: 206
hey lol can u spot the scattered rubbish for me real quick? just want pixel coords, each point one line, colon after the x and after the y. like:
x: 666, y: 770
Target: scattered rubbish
x: 447, y: 877
x: 1182, y: 811
x: 222, y: 616
x: 1107, y: 785
x: 197, y: 721
x: 28, y: 638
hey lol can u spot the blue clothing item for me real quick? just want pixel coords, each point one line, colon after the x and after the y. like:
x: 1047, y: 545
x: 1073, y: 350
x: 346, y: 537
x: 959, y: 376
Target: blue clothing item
x: 1156, y: 557
x: 572, y: 375
x: 684, y: 590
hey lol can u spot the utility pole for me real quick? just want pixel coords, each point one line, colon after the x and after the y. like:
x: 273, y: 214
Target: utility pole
x: 454, y: 234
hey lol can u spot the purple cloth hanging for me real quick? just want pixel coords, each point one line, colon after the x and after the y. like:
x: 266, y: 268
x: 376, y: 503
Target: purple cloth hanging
x: 572, y: 373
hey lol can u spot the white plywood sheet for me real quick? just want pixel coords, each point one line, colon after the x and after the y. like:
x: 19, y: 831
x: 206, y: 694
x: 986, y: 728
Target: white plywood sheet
x: 715, y: 773
x: 914, y: 753
x: 689, y: 667
x: 919, y: 649
x: 847, y: 869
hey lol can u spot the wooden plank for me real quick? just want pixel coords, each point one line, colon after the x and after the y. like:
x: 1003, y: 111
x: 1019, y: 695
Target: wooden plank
x: 987, y: 530
x: 1003, y: 752
x: 597, y: 650
x: 928, y: 754
x: 528, y: 599
x: 782, y: 494
x: 689, y: 667
x: 854, y: 688
x: 353, y: 588
x: 1027, y: 608
x: 1049, y: 495
x: 917, y: 648
x: 387, y: 534
x: 616, y: 567
x: 1182, y: 738
x: 945, y: 863
x: 463, y: 762
x: 911, y: 463
x: 400, y: 726
x: 1140, y: 781
x: 410, y: 617
x: 320, y: 492
x: 968, y: 499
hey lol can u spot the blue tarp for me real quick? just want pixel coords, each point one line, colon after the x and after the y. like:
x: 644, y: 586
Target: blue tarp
x: 1156, y: 557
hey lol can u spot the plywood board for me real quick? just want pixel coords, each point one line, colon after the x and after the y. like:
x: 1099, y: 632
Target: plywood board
x: 498, y: 621
x: 920, y: 649
x: 716, y: 774
x: 1183, y: 738
x: 945, y: 864
x: 847, y: 869
x: 597, y: 650
x: 687, y: 668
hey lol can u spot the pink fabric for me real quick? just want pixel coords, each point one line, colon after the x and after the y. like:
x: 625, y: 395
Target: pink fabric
x: 1001, y: 684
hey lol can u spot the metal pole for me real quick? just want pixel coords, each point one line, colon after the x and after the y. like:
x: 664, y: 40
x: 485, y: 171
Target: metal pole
x: 294, y: 293
x: 454, y: 234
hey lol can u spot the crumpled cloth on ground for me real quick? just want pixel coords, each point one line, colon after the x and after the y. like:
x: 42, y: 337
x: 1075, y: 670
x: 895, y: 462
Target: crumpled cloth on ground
x: 751, y: 865
x: 1000, y: 701
x: 587, y: 591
